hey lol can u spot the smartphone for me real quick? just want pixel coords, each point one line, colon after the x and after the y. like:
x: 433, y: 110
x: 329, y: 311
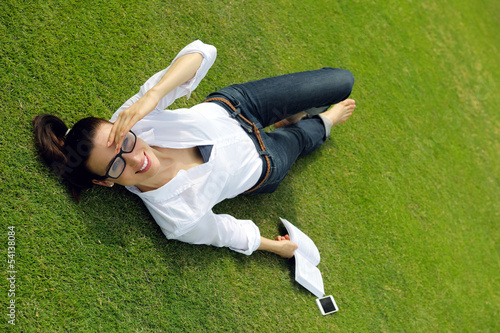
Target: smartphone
x: 327, y: 305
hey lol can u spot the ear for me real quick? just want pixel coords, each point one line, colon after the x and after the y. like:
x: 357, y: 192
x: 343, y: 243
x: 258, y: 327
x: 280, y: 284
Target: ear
x: 103, y: 183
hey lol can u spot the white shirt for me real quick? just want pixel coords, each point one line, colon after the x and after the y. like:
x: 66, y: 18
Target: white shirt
x: 183, y: 206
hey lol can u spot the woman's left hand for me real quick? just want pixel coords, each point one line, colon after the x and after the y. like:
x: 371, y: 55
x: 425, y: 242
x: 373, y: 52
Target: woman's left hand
x: 129, y: 117
x: 182, y: 70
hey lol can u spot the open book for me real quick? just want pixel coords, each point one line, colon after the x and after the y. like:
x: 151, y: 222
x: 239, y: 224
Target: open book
x: 306, y: 259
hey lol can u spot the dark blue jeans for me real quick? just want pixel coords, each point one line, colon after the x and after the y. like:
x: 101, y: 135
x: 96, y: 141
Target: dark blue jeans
x: 258, y: 104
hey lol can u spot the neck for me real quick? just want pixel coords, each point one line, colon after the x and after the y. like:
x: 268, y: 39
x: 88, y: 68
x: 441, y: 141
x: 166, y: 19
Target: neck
x: 171, y: 162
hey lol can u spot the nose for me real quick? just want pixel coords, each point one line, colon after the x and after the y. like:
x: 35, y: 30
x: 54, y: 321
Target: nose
x: 134, y: 158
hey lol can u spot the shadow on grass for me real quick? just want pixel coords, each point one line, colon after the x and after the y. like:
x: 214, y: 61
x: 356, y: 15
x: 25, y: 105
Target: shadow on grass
x: 118, y: 218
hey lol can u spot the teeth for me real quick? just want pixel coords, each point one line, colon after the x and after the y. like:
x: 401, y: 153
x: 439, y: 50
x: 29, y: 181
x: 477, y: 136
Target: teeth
x: 145, y: 163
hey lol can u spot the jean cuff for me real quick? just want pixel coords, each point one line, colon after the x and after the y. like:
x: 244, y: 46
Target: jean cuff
x: 328, y: 125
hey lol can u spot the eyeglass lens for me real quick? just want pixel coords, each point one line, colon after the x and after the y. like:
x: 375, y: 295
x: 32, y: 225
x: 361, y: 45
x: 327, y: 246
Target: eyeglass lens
x: 128, y: 143
x: 118, y: 165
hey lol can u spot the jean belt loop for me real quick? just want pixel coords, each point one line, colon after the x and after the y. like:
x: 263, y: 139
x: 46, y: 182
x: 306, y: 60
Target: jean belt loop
x: 256, y: 137
x: 237, y: 107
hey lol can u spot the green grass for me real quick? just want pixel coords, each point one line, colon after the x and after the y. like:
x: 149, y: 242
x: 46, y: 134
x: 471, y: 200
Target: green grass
x: 403, y: 201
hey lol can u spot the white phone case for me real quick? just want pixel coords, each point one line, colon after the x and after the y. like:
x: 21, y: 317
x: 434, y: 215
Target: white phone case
x: 327, y: 305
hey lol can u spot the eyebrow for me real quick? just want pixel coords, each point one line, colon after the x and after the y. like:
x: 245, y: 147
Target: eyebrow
x: 110, y: 163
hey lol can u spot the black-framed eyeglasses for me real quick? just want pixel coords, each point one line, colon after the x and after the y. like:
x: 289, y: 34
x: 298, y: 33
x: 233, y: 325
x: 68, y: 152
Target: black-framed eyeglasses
x: 118, y: 164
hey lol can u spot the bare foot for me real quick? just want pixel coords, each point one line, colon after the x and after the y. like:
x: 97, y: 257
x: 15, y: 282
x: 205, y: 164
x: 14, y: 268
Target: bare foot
x: 340, y: 112
x: 290, y: 120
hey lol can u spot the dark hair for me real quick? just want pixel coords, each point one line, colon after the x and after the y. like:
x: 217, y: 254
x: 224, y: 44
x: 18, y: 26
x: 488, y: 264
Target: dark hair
x: 68, y: 153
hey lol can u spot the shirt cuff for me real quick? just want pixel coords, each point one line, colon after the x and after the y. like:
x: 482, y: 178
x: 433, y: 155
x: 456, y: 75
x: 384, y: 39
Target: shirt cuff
x: 209, y: 53
x: 253, y: 235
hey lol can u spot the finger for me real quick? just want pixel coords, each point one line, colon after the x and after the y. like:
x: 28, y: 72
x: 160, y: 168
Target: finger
x: 116, y: 129
x: 124, y: 129
x: 111, y: 136
x: 287, y: 237
x: 114, y: 135
x: 119, y: 142
x: 120, y: 131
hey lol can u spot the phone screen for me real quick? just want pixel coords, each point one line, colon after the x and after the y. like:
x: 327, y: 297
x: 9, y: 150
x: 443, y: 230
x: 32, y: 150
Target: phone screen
x: 327, y: 305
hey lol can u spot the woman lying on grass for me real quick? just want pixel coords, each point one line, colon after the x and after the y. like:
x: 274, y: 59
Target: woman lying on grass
x: 183, y: 162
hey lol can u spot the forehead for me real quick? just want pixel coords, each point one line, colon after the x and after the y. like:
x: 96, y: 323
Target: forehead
x: 102, y: 134
x: 101, y: 154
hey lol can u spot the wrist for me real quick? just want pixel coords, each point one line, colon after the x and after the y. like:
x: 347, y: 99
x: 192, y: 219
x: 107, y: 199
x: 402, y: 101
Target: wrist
x: 267, y: 244
x: 283, y: 248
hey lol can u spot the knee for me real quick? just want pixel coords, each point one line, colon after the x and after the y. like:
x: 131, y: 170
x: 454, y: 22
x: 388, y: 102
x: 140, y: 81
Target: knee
x: 349, y: 82
x: 346, y: 78
x: 349, y: 78
x: 343, y: 81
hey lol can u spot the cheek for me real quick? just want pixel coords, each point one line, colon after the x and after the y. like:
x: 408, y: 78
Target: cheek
x: 127, y: 178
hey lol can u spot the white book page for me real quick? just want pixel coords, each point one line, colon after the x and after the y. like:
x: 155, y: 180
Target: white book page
x: 307, y: 248
x: 308, y: 275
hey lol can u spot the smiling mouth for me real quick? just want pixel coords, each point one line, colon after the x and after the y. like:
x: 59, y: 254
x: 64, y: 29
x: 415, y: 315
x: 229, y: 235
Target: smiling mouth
x: 145, y: 165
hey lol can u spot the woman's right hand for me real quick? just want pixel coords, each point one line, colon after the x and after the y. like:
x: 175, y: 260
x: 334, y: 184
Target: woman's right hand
x: 282, y: 246
x: 287, y: 249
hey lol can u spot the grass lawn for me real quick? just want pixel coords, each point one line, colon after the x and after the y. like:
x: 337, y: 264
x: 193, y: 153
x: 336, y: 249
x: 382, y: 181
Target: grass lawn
x: 403, y: 201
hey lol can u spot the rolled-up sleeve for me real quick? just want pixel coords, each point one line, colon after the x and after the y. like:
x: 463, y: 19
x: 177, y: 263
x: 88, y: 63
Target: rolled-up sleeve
x: 209, y: 54
x: 222, y: 230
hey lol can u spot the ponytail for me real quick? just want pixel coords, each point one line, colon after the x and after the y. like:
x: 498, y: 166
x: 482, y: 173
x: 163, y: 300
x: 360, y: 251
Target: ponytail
x: 67, y: 152
x: 49, y: 134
